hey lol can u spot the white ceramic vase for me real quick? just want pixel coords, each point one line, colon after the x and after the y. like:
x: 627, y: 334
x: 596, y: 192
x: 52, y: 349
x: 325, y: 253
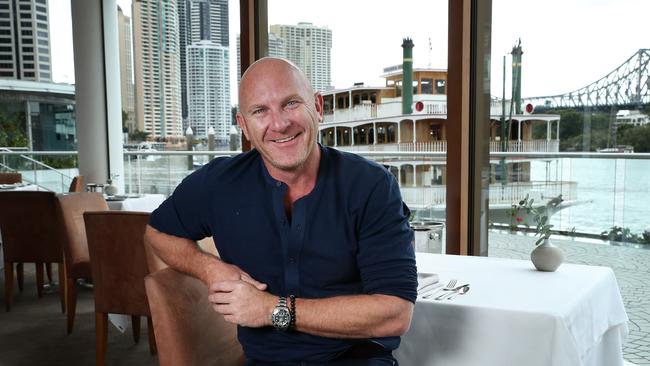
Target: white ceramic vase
x: 547, y: 257
x: 110, y: 189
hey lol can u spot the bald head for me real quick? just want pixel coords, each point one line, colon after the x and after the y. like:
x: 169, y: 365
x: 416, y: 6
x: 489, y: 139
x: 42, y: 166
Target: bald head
x: 272, y: 68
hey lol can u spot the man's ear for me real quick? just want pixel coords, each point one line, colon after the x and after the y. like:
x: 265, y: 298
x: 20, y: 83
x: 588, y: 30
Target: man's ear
x: 318, y: 104
x: 242, y: 124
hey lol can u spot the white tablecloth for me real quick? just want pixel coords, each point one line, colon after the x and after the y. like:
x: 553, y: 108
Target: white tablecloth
x: 144, y: 203
x: 18, y: 187
x: 515, y: 315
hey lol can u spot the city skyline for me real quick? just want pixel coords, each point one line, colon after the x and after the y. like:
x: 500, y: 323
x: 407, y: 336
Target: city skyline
x: 566, y: 43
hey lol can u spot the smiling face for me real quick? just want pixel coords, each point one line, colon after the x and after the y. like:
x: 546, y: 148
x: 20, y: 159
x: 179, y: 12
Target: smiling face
x: 279, y: 114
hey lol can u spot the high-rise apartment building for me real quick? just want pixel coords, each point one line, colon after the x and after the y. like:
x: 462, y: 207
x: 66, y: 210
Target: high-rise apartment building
x: 310, y: 48
x: 127, y: 88
x: 205, y: 67
x: 25, y: 40
x: 209, y: 21
x: 276, y: 48
x: 157, y: 68
x: 208, y: 90
x: 200, y: 20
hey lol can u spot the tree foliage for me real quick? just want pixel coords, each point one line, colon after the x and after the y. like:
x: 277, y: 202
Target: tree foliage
x: 12, y: 129
x: 635, y: 136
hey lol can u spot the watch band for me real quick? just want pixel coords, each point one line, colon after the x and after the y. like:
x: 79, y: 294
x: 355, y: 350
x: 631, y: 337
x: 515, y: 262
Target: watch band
x: 281, y: 315
x: 292, y: 310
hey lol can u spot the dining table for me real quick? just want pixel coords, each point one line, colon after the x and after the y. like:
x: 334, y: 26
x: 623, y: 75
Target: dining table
x: 516, y: 315
x: 135, y: 202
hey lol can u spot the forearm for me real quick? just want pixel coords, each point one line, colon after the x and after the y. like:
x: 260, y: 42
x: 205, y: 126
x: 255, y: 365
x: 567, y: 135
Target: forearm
x: 358, y: 316
x: 185, y: 256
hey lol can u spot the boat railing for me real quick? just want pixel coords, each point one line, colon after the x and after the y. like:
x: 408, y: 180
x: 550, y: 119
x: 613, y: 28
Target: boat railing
x: 421, y: 196
x: 441, y: 146
x: 526, y: 146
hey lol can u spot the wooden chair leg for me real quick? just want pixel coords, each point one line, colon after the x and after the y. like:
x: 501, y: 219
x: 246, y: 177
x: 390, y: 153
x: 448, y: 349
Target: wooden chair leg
x: 62, y: 285
x: 39, y: 279
x: 135, y: 325
x: 101, y: 335
x: 71, y: 302
x: 152, y: 338
x: 20, y: 275
x: 9, y: 283
x: 48, y: 270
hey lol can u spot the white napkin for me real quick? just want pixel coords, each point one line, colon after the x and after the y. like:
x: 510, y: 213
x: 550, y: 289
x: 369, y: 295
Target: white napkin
x: 427, y: 282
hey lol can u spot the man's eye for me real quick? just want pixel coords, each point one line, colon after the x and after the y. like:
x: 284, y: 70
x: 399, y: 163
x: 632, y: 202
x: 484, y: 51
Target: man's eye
x: 292, y: 103
x: 258, y: 111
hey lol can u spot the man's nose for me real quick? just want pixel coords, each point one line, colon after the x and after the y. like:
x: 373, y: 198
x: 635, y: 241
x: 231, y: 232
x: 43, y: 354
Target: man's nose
x: 279, y: 121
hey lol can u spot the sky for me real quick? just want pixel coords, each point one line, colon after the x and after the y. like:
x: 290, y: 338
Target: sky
x: 567, y: 44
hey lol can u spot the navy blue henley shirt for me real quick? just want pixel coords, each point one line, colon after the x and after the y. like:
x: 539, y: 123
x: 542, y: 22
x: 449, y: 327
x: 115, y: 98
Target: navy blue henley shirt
x: 350, y: 235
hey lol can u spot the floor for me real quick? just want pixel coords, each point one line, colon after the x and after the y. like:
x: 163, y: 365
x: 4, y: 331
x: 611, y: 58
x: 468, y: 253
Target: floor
x: 34, y: 332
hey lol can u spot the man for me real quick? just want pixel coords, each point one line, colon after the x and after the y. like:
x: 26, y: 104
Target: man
x: 316, y: 257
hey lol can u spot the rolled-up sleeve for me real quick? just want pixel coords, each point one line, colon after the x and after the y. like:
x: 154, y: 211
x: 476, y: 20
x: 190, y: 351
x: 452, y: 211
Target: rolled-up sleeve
x: 386, y: 256
x: 182, y: 213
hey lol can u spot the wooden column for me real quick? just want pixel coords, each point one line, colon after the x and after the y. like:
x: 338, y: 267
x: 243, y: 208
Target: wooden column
x: 468, y: 128
x: 253, y: 20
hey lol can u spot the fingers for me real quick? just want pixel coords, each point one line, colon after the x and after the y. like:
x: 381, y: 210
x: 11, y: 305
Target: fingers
x: 224, y: 286
x: 247, y: 278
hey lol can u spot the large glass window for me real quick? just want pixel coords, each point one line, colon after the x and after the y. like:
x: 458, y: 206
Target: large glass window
x: 567, y: 92
x: 358, y: 63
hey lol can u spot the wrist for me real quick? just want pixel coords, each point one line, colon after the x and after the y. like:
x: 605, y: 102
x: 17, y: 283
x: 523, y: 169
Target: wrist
x: 214, y: 270
x: 269, y: 306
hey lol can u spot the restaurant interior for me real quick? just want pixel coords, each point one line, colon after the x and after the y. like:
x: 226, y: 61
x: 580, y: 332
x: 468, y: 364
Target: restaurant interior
x: 82, y: 287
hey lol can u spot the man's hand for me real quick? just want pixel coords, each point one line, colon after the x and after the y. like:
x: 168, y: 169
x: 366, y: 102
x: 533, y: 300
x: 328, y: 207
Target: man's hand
x: 230, y: 272
x: 242, y: 303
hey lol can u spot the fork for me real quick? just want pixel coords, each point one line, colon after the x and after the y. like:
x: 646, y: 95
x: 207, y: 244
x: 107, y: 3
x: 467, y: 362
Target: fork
x: 450, y: 286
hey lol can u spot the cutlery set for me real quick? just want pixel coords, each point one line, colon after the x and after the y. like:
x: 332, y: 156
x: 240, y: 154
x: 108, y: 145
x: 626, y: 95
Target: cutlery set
x: 448, y: 292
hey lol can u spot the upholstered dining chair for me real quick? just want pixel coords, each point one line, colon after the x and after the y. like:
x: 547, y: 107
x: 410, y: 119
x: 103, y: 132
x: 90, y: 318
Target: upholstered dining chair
x: 77, y: 184
x: 10, y: 178
x: 188, y: 331
x: 31, y: 233
x: 75, y: 245
x: 118, y: 266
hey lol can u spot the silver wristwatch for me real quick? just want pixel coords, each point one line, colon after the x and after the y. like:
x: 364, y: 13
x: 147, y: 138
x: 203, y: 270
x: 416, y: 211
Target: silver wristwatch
x: 281, y: 315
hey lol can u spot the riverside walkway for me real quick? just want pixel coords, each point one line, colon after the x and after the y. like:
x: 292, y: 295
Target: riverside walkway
x: 631, y: 266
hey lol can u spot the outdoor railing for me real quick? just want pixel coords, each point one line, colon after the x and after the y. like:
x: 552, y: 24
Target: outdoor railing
x: 607, y: 189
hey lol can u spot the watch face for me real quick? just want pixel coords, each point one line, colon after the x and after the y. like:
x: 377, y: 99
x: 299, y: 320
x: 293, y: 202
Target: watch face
x: 281, y: 317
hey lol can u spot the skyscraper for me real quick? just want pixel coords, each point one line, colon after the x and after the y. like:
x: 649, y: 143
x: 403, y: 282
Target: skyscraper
x: 126, y: 68
x: 205, y: 82
x: 25, y: 40
x: 208, y: 89
x: 157, y: 68
x: 200, y: 20
x: 277, y: 48
x: 309, y: 47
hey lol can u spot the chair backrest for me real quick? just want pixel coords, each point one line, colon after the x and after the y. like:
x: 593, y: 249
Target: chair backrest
x: 77, y: 184
x: 117, y: 260
x: 187, y: 330
x: 10, y: 178
x: 31, y: 227
x: 75, y: 247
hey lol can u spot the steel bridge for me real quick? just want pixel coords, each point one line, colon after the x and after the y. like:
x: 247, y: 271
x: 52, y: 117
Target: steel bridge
x: 626, y: 86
